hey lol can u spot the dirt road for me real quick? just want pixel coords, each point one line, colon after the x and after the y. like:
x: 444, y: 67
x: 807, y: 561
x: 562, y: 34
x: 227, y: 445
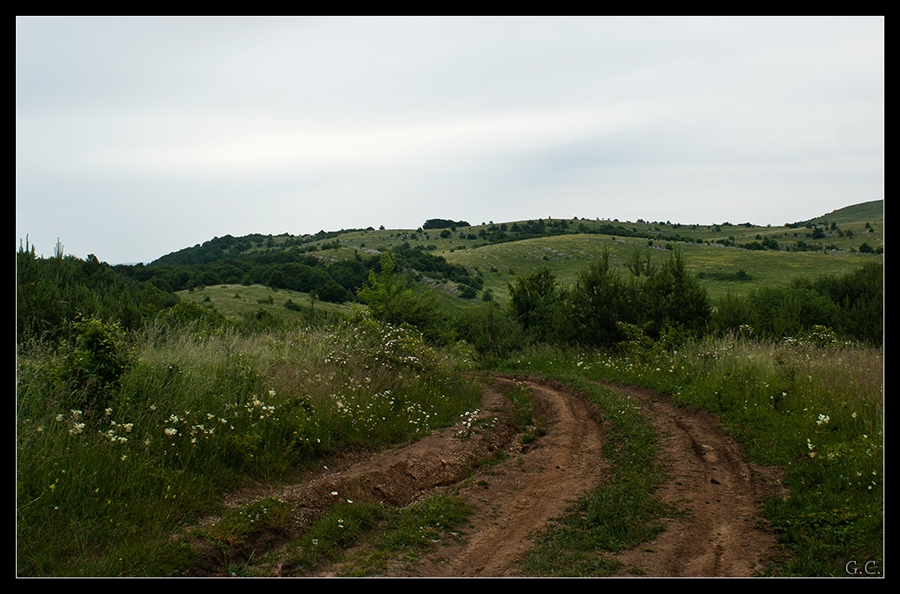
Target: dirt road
x: 719, y: 536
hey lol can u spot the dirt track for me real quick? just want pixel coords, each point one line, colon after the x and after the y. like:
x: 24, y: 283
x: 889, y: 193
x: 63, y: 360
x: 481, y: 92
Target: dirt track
x: 719, y: 536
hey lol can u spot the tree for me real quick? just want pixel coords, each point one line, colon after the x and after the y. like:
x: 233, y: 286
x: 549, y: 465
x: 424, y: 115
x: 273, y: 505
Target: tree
x: 391, y: 299
x: 534, y: 302
x: 597, y: 302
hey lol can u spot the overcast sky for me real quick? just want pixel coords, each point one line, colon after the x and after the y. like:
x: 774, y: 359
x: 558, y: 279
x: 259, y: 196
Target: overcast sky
x: 136, y: 137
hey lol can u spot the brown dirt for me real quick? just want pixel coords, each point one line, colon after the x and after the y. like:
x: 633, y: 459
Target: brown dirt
x: 721, y: 535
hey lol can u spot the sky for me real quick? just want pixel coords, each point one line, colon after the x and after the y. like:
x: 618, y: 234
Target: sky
x: 140, y: 136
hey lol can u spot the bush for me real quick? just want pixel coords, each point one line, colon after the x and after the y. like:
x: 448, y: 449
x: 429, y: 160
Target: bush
x: 93, y: 368
x: 595, y: 305
x: 391, y: 299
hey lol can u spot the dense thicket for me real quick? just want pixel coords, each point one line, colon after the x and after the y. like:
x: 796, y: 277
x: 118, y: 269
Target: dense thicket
x: 850, y: 305
x: 654, y: 298
x: 296, y: 270
x: 443, y: 224
x: 53, y: 292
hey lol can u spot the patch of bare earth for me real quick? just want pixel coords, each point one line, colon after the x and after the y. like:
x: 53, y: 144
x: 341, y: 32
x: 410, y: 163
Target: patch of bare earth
x: 535, y: 483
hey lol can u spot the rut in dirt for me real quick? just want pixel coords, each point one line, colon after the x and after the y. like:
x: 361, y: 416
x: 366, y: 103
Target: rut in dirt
x: 722, y: 533
x: 519, y: 497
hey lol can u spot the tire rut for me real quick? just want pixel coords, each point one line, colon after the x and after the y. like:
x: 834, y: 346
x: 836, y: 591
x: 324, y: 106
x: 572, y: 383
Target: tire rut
x: 521, y: 496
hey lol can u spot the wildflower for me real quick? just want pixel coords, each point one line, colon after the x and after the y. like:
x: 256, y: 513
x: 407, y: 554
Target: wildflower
x: 823, y: 420
x: 171, y: 431
x: 77, y: 428
x: 128, y: 427
x: 76, y: 414
x: 59, y: 418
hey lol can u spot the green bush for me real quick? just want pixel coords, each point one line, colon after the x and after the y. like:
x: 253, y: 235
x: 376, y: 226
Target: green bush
x: 391, y: 299
x: 94, y: 366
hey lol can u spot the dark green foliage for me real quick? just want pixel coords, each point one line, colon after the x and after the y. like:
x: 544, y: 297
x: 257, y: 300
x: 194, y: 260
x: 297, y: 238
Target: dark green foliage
x: 674, y: 298
x: 740, y: 275
x: 491, y: 330
x: 860, y: 298
x: 443, y: 224
x: 597, y: 302
x: 851, y: 304
x: 731, y: 312
x: 191, y: 313
x: 392, y: 298
x: 535, y: 303
x: 92, y: 369
x: 655, y: 299
x: 788, y: 311
x: 52, y: 292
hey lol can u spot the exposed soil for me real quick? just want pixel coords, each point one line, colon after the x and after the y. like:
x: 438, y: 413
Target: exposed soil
x: 721, y: 535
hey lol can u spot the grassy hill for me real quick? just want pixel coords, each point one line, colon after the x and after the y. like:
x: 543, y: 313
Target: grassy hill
x: 867, y: 211
x: 727, y: 256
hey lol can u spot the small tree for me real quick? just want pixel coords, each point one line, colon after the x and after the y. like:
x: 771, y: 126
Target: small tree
x: 534, y: 301
x: 391, y: 299
x: 597, y: 302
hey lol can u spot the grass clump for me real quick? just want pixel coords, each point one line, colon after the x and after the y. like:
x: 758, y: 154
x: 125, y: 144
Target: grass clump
x: 362, y: 539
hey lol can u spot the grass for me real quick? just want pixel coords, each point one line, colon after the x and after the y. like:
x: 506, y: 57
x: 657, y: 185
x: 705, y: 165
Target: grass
x: 100, y: 492
x: 236, y: 301
x: 364, y: 539
x: 566, y: 255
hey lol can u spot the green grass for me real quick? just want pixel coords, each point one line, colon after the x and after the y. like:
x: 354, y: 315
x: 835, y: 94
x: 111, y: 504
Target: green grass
x: 364, y: 539
x: 100, y: 492
x: 236, y: 301
x: 567, y: 255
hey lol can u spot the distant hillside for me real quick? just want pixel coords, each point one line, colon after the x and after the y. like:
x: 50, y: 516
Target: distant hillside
x: 473, y: 262
x: 867, y: 211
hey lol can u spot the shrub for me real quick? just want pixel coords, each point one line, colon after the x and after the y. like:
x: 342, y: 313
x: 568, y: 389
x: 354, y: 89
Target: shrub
x: 93, y: 368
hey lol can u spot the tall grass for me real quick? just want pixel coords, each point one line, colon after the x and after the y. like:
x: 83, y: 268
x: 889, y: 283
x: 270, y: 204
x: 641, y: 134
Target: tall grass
x: 814, y: 406
x: 100, y: 493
